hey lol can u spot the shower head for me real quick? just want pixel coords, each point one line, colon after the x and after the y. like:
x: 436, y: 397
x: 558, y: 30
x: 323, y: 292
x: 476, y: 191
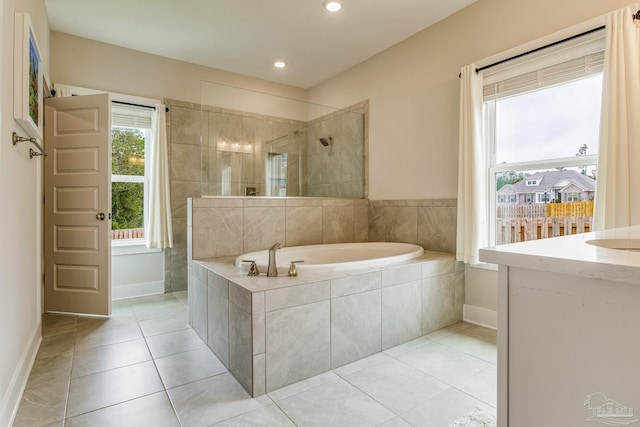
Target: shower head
x: 326, y: 141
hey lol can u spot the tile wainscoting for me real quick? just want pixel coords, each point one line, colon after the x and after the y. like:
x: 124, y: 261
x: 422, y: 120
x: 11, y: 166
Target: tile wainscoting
x: 251, y: 331
x: 294, y: 328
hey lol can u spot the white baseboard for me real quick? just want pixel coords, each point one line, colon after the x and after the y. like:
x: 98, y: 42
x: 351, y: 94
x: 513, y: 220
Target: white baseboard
x: 137, y: 290
x: 13, y: 394
x: 480, y: 316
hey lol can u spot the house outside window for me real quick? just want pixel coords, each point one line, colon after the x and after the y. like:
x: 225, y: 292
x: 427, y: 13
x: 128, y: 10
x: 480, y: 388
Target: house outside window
x: 572, y: 197
x: 538, y: 118
x: 512, y: 198
x: 502, y: 198
x: 130, y: 136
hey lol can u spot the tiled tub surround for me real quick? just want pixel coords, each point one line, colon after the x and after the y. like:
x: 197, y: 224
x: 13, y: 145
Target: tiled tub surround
x: 224, y: 226
x: 274, y: 331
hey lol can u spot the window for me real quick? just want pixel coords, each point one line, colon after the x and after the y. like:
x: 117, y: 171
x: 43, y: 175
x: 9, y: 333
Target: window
x: 572, y: 197
x: 512, y: 198
x: 130, y: 138
x: 543, y: 197
x: 276, y: 174
x: 541, y: 127
x: 502, y: 198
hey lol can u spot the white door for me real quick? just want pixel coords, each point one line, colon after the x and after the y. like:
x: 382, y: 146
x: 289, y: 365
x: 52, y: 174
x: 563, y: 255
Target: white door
x: 77, y: 187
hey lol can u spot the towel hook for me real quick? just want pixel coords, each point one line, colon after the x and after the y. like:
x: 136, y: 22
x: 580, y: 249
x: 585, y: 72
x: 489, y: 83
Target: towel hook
x: 17, y: 138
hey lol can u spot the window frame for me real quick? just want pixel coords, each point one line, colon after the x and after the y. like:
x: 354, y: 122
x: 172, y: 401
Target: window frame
x: 489, y: 137
x: 143, y: 179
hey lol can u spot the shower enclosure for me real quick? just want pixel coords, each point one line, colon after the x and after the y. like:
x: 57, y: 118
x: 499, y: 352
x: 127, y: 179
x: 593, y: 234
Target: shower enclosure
x: 256, y: 144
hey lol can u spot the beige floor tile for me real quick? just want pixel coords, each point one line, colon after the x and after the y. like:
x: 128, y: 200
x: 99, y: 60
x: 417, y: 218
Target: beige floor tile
x: 336, y: 403
x: 475, y: 340
x: 444, y: 363
x: 173, y: 343
x: 103, y: 358
x: 164, y: 324
x: 100, y: 390
x: 55, y: 324
x: 187, y: 367
x: 116, y: 383
x: 154, y: 410
x: 396, y: 385
x: 269, y: 416
x: 48, y: 369
x: 443, y: 409
x: 57, y: 345
x: 42, y: 404
x: 483, y: 386
x: 206, y: 402
x: 106, y: 333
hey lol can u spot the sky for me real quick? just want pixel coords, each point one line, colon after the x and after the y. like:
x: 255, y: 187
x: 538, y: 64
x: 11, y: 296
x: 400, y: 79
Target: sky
x: 550, y: 123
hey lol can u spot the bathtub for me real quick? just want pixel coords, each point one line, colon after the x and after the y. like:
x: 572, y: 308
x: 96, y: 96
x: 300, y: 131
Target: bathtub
x: 335, y: 256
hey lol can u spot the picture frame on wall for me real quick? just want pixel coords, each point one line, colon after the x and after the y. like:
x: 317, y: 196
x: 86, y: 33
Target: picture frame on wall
x: 27, y: 78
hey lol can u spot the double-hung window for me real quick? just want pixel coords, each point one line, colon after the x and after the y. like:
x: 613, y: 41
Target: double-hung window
x: 541, y: 128
x: 131, y: 138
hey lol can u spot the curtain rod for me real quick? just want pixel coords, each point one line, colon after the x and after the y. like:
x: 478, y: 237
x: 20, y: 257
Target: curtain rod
x: 635, y: 17
x: 138, y: 105
x: 529, y: 52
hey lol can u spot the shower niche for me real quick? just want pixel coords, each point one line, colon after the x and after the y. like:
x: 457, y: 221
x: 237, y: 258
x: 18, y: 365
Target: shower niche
x: 256, y: 144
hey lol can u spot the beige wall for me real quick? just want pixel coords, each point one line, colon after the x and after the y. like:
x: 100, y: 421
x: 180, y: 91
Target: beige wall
x: 412, y: 88
x: 86, y: 63
x: 20, y: 221
x: 413, y: 98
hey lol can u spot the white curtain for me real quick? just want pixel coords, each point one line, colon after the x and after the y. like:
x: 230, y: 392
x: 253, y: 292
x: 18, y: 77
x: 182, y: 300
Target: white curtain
x: 617, y: 201
x: 472, y: 227
x: 159, y: 234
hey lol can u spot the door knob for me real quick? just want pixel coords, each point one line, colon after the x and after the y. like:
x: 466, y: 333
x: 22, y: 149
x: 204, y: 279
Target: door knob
x: 100, y: 216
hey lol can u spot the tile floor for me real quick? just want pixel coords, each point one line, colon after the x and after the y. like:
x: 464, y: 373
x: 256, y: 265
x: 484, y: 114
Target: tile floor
x: 146, y: 367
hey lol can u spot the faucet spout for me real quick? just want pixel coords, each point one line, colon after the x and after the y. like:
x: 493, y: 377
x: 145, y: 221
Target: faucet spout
x: 272, y: 269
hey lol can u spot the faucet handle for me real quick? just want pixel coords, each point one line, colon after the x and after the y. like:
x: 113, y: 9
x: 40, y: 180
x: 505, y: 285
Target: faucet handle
x: 253, y: 269
x: 293, y: 271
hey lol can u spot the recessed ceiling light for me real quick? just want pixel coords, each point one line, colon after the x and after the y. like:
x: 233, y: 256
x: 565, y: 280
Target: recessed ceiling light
x: 332, y: 5
x: 279, y: 64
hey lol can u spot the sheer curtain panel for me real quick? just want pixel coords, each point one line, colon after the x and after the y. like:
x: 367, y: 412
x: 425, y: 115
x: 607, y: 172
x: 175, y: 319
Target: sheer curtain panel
x: 159, y: 234
x: 472, y: 226
x: 617, y: 202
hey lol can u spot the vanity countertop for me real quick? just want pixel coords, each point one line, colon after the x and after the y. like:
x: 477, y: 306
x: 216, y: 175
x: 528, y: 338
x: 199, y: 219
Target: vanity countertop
x: 574, y: 256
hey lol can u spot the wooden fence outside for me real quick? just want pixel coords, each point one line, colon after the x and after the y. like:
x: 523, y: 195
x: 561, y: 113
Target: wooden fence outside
x: 129, y: 233
x: 561, y: 210
x: 520, y: 223
x: 512, y: 230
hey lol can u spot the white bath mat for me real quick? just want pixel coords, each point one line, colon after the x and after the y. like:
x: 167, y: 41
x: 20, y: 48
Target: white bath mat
x: 478, y: 418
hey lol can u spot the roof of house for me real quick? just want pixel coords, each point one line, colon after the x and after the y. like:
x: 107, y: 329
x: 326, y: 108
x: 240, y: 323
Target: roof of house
x: 552, y: 179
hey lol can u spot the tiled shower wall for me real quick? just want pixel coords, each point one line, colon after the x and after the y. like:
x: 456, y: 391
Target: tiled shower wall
x: 429, y: 223
x: 339, y: 169
x: 232, y: 226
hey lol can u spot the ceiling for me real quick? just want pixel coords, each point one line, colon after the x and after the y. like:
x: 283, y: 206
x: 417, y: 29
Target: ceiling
x: 247, y: 36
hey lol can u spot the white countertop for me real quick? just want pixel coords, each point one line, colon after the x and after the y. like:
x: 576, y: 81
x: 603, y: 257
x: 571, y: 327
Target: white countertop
x: 574, y: 256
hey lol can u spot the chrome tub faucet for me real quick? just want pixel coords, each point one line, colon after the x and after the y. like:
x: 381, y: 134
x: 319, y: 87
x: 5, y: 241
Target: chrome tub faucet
x: 272, y: 269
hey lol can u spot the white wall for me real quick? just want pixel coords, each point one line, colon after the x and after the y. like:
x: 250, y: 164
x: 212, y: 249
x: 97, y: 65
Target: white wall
x: 136, y: 274
x: 414, y: 98
x: 20, y: 222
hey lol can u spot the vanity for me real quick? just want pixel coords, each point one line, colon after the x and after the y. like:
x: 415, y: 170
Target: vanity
x: 569, y: 330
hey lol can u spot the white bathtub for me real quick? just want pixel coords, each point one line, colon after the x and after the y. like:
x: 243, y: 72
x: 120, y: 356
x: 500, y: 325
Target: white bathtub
x: 335, y: 256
